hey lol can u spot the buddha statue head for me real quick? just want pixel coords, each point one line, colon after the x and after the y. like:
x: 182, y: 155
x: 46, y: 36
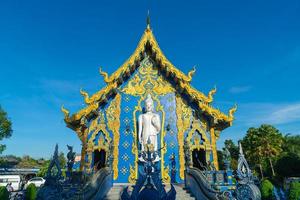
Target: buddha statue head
x: 149, y: 103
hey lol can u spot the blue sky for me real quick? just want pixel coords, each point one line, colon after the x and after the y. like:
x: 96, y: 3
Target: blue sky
x: 50, y: 49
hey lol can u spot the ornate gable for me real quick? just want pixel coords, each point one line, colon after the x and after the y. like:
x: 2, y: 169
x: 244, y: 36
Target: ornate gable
x: 148, y: 47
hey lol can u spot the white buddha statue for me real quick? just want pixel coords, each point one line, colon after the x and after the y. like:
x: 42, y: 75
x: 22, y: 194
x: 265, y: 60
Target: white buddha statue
x: 149, y: 125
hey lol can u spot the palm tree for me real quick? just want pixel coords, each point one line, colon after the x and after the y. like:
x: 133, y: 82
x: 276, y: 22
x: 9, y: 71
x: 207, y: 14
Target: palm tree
x: 263, y: 144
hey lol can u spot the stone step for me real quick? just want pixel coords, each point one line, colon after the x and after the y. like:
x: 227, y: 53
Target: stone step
x: 181, y: 193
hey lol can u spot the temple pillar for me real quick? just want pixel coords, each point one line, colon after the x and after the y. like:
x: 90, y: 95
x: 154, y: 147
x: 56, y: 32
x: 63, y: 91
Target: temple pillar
x: 81, y: 132
x: 214, y: 147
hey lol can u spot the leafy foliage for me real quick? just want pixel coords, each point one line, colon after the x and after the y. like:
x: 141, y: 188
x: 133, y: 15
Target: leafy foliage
x: 266, y: 190
x: 4, y: 194
x: 288, y: 165
x: 294, y: 191
x: 5, y: 128
x: 262, y: 145
x: 31, y: 192
x: 292, y: 144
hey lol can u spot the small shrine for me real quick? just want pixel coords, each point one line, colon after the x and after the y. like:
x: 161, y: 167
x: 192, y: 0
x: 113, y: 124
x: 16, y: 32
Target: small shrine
x: 148, y: 103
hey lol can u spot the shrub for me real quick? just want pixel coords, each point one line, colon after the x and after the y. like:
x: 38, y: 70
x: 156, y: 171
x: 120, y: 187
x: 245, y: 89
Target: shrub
x: 294, y: 191
x: 4, y: 194
x: 266, y: 190
x: 31, y: 192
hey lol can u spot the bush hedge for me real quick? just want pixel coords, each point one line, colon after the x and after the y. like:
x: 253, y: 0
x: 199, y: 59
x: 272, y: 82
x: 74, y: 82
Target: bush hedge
x: 31, y: 192
x: 4, y: 194
x: 266, y: 190
x: 294, y: 191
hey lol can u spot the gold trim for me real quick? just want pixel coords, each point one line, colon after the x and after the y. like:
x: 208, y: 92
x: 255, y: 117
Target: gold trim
x: 146, y: 75
x: 134, y: 170
x: 113, y: 122
x: 214, y: 148
x: 164, y: 170
x: 195, y: 143
x: 184, y: 114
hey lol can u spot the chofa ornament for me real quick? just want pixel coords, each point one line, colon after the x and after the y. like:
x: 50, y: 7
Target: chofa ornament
x: 246, y: 189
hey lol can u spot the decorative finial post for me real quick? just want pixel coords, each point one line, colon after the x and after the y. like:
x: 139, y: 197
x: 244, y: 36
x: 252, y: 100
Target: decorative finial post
x: 148, y: 20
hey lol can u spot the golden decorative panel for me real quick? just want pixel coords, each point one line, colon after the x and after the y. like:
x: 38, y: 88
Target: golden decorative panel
x: 184, y: 114
x: 147, y: 81
x: 113, y: 122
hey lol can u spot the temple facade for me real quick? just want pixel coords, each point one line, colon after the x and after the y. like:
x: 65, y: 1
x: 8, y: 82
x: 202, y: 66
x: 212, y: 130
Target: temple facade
x: 108, y: 125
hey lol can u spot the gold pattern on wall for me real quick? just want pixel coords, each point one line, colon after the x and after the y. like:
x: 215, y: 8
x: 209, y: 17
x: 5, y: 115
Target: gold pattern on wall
x: 194, y: 136
x: 96, y: 127
x: 147, y: 81
x: 164, y: 170
x: 214, y: 148
x: 134, y: 170
x: 113, y: 121
x: 183, y: 113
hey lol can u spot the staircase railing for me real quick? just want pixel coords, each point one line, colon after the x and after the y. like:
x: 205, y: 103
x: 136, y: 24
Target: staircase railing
x: 99, y: 185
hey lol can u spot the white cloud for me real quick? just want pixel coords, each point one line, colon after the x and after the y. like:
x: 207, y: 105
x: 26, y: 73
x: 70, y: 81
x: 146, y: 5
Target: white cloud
x: 269, y: 113
x: 239, y: 89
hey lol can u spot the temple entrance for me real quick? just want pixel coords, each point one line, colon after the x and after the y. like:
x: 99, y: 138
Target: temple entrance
x: 199, y: 159
x: 99, y: 159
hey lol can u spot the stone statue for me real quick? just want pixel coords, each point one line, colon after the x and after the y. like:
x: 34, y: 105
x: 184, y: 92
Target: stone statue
x: 52, y: 189
x: 149, y: 125
x: 227, y: 158
x: 71, y: 158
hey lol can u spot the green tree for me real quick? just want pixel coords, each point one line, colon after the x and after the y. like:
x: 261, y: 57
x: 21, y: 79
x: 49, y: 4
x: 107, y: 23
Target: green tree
x: 62, y: 160
x: 4, y: 194
x: 31, y: 192
x: 262, y: 145
x: 294, y: 191
x: 266, y: 190
x: 291, y: 144
x: 5, y: 128
x: 288, y: 165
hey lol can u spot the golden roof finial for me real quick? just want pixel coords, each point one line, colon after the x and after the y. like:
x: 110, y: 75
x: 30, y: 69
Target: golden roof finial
x: 191, y: 73
x: 148, y: 20
x: 104, y: 74
x: 85, y: 95
x: 65, y: 111
x: 212, y: 92
x: 232, y: 111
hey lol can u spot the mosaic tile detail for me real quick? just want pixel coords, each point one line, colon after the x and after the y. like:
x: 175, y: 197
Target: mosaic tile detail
x: 171, y: 109
x: 170, y: 99
x: 172, y: 145
x: 125, y: 157
x: 125, y: 144
x: 127, y: 109
x: 171, y: 132
x: 126, y: 132
x: 127, y: 98
x: 126, y: 120
x: 124, y: 170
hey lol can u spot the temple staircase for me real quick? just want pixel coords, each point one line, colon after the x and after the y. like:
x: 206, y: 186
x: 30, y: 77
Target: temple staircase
x: 181, y: 193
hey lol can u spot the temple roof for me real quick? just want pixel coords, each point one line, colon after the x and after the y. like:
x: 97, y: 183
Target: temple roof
x: 148, y: 43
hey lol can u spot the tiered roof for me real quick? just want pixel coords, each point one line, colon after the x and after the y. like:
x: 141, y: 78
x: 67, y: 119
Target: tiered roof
x: 148, y: 45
